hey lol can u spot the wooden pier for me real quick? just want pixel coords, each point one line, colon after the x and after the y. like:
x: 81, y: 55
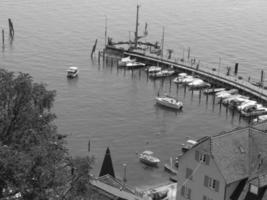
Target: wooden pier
x: 214, y: 77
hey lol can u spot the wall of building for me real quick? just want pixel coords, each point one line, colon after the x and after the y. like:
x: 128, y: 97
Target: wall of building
x: 200, y: 170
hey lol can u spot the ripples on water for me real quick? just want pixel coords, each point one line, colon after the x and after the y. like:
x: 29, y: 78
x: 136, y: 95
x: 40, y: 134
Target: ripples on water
x: 115, y: 107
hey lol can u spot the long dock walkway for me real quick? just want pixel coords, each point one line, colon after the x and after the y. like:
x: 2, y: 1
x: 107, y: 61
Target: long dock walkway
x: 232, y: 81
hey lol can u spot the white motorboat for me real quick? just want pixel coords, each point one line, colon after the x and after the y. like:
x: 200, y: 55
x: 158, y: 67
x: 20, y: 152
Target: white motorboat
x: 225, y: 94
x: 147, y: 158
x: 259, y: 119
x: 254, y: 112
x: 163, y: 73
x: 135, y: 64
x: 72, y: 72
x: 198, y: 84
x: 153, y: 69
x: 170, y: 102
x: 188, y: 79
x: 234, y: 103
x: 246, y: 104
x: 213, y: 90
x: 123, y: 61
x: 179, y: 79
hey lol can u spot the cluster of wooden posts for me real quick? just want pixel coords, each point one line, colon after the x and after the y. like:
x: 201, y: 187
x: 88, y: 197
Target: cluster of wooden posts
x: 11, y: 32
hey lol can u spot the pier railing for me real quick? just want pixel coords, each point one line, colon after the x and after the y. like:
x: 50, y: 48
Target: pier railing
x: 233, y: 81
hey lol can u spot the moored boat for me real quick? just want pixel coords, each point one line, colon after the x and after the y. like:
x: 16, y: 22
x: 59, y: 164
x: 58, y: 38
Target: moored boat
x: 153, y: 69
x: 124, y: 61
x: 170, y: 102
x: 135, y: 64
x: 147, y: 158
x: 213, y: 90
x: 163, y: 73
x: 72, y: 72
x: 259, y: 119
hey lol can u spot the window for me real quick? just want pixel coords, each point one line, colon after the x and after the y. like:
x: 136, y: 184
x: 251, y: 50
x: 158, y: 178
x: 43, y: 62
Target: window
x: 189, y: 174
x: 202, y: 157
x: 211, y: 183
x: 186, y: 192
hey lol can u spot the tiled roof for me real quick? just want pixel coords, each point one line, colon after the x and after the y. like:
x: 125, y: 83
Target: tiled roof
x: 238, y: 153
x: 116, y: 183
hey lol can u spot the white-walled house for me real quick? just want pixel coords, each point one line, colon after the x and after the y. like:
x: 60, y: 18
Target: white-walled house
x: 228, y: 166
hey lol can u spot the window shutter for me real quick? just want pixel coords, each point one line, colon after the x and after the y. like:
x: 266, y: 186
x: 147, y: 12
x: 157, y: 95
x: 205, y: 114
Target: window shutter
x: 204, y: 197
x: 197, y: 155
x: 182, y: 191
x: 217, y: 185
x: 189, y: 193
x: 206, y: 181
x: 207, y: 159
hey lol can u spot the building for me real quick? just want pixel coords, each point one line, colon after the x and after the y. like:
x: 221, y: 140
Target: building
x: 228, y: 166
x: 108, y: 187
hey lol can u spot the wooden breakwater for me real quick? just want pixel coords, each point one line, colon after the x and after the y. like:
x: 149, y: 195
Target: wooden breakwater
x: 214, y: 77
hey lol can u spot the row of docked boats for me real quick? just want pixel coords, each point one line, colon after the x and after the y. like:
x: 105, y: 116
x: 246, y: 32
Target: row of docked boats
x: 247, y: 107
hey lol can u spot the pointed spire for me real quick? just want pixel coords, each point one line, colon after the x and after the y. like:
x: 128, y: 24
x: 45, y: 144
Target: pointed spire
x: 107, y: 166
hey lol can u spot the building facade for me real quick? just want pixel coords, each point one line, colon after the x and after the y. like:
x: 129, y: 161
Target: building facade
x: 226, y: 166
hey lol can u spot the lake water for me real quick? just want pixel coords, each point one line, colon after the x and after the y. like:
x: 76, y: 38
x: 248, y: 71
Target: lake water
x: 116, y: 108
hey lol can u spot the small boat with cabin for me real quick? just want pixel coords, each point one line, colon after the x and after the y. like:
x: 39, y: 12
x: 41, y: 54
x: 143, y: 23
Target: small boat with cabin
x: 213, y: 90
x: 259, y: 119
x: 134, y: 64
x: 163, y: 73
x: 147, y: 158
x: 72, y: 72
x: 124, y: 61
x: 179, y: 79
x: 153, y: 69
x: 169, y: 102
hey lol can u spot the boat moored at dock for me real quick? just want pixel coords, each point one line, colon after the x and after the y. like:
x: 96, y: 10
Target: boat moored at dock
x: 133, y: 65
x: 153, y: 69
x: 213, y: 90
x: 124, y: 61
x: 163, y: 73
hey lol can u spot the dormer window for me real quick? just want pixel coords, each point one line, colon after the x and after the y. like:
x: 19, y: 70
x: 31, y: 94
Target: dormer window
x: 202, y: 157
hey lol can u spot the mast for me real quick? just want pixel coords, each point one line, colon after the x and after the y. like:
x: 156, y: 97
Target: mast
x: 106, y: 19
x: 136, y: 27
x: 162, y: 41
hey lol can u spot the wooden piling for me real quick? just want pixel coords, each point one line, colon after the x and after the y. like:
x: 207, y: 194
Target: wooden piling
x: 99, y: 54
x: 11, y: 28
x: 3, y: 38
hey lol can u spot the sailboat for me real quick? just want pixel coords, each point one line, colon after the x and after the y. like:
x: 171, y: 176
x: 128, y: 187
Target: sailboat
x: 169, y: 168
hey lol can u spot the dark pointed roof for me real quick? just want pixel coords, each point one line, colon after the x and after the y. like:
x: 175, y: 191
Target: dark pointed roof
x: 107, y: 166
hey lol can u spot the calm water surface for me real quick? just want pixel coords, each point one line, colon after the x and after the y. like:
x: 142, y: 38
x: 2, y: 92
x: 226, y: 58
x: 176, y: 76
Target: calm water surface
x: 113, y: 107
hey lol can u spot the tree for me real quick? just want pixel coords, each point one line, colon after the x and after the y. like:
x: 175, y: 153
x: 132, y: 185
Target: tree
x: 33, y: 159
